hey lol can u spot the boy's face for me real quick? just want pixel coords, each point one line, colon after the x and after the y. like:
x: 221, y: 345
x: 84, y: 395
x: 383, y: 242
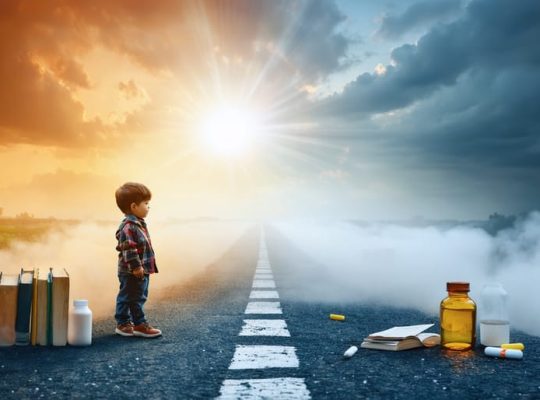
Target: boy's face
x: 140, y: 210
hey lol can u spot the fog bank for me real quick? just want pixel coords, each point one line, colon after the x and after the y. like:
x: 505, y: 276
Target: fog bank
x: 88, y: 253
x: 409, y: 267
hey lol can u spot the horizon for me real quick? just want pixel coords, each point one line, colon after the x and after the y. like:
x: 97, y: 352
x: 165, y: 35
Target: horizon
x: 501, y: 221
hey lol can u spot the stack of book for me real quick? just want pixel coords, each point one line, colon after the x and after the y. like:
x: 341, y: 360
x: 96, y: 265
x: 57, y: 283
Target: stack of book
x: 35, y: 307
x: 402, y: 338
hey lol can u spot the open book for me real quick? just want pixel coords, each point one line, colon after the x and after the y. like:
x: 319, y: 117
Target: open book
x: 402, y: 338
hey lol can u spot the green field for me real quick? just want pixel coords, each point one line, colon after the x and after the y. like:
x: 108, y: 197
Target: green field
x: 27, y: 229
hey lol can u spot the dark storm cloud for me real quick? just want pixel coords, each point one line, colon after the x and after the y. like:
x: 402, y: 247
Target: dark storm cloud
x: 315, y: 46
x: 489, y: 119
x: 417, y: 14
x: 492, y: 36
x: 464, y: 103
x: 302, y: 31
x: 486, y: 110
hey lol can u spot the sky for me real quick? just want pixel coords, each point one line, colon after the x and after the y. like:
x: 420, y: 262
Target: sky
x: 271, y: 109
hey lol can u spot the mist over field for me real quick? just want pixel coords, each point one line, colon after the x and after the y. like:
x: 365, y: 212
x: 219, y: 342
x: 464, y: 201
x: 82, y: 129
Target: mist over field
x: 379, y: 263
x: 402, y: 266
x: 87, y: 251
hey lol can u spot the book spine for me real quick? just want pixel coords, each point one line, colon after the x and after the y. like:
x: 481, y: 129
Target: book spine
x: 49, y: 309
x: 42, y: 305
x: 60, y: 311
x: 8, y: 314
x: 24, y: 305
x: 33, y: 324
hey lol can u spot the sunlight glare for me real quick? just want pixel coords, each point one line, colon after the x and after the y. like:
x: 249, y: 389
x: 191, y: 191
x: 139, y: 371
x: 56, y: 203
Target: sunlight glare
x: 230, y: 131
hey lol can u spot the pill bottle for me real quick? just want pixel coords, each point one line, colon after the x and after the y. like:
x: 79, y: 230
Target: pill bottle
x: 493, y: 315
x: 458, y: 318
x: 80, y: 324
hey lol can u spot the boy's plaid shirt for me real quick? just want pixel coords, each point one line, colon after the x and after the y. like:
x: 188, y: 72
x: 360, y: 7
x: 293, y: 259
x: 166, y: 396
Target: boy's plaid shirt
x: 134, y: 246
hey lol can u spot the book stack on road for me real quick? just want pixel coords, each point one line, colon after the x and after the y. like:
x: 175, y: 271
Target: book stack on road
x: 402, y: 338
x: 34, y: 307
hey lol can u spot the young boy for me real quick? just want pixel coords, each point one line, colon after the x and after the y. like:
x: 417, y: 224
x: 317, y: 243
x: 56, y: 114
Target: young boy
x: 136, y: 261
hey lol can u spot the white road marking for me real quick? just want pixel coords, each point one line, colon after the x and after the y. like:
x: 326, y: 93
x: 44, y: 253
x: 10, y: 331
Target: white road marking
x: 265, y: 327
x: 252, y: 357
x: 259, y: 389
x: 262, y: 276
x: 263, y: 307
x: 266, y: 284
x: 264, y: 294
x: 260, y: 356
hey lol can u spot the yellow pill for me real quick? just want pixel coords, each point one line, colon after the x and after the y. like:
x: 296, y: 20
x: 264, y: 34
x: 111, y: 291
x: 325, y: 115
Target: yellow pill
x: 337, y: 317
x: 513, y: 346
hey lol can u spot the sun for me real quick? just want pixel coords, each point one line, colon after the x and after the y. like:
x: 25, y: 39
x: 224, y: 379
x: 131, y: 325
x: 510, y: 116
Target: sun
x: 230, y: 131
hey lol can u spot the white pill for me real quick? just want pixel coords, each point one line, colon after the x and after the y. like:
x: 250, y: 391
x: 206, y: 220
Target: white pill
x: 351, y: 351
x: 503, y: 353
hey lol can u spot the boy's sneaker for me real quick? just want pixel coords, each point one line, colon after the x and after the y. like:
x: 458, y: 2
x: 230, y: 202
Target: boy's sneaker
x: 125, y: 329
x: 145, y: 330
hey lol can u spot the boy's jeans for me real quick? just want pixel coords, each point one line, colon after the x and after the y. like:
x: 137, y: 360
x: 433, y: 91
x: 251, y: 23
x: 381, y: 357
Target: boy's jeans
x: 131, y: 298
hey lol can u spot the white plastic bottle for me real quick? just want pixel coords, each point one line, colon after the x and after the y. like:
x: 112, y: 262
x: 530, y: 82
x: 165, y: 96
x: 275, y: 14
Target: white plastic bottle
x: 80, y: 324
x: 494, y: 322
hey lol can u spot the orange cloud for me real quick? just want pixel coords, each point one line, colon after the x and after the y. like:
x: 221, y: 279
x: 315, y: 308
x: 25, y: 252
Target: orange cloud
x: 38, y: 72
x: 130, y: 89
x: 44, y: 45
x: 63, y: 194
x: 98, y: 92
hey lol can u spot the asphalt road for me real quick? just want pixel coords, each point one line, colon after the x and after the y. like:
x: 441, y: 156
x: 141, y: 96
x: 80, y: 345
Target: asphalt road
x: 201, y: 321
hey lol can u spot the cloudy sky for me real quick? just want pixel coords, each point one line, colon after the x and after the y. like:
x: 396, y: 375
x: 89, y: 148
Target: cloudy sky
x: 271, y: 109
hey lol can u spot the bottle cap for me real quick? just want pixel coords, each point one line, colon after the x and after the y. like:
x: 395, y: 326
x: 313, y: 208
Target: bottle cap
x: 80, y: 303
x: 457, y: 286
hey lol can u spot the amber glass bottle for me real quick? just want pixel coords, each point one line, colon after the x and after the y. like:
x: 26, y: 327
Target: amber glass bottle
x: 458, y: 318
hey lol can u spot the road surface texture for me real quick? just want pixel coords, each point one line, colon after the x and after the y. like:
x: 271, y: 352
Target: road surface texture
x: 215, y: 344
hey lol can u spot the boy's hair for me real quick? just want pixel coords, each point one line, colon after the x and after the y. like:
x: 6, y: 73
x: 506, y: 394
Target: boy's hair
x: 131, y: 192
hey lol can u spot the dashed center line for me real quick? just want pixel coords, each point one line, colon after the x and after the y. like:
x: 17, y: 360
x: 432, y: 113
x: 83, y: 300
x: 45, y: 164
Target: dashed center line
x: 273, y: 388
x: 260, y: 356
x: 265, y: 327
x: 257, y: 357
x: 264, y: 294
x: 268, y: 284
x: 263, y: 307
x: 263, y: 276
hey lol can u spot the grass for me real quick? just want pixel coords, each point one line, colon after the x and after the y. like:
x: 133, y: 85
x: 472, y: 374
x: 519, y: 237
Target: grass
x: 27, y: 229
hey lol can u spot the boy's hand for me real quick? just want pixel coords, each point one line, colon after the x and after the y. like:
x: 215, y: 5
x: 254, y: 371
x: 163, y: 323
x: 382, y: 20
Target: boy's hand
x: 139, y: 272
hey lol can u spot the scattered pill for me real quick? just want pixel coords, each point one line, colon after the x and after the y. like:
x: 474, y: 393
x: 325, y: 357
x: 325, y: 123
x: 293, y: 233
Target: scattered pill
x: 337, y: 317
x: 351, y: 351
x: 503, y: 353
x: 513, y: 346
